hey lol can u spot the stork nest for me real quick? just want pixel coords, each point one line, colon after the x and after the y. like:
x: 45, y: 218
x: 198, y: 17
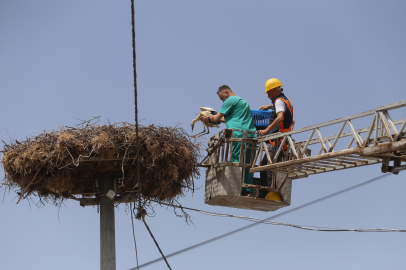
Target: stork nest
x: 67, y: 162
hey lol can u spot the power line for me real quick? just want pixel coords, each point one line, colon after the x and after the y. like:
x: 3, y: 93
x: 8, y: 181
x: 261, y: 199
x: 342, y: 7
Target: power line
x: 136, y: 102
x: 156, y: 243
x: 136, y: 123
x: 265, y: 221
x: 272, y: 217
x: 310, y: 228
x: 135, y: 242
x: 137, y: 144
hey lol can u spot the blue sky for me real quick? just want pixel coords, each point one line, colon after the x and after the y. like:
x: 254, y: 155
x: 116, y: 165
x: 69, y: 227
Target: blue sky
x: 61, y: 61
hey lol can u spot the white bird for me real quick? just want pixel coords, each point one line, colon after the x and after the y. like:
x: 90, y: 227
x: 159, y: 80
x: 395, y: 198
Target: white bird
x: 205, y: 111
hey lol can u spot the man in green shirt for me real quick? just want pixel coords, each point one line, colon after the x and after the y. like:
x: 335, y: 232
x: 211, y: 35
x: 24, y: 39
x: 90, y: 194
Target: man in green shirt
x: 236, y: 113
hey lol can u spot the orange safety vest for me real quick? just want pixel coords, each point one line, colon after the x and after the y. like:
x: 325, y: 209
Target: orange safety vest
x: 282, y: 127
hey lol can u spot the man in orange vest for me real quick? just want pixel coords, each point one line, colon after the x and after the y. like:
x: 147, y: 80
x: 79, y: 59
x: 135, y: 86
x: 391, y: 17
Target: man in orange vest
x: 281, y: 121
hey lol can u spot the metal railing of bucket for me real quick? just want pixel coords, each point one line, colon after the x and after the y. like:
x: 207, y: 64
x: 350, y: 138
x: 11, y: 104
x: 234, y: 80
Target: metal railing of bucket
x: 383, y: 142
x: 225, y: 145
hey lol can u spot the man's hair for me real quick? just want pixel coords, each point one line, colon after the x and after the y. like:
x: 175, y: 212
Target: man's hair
x: 224, y: 87
x: 279, y: 88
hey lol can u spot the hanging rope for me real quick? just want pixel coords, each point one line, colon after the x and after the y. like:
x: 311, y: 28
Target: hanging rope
x: 141, y: 212
x: 136, y: 105
x: 135, y: 242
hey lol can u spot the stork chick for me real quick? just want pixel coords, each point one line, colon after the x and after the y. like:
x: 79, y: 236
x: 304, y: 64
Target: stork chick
x: 205, y: 111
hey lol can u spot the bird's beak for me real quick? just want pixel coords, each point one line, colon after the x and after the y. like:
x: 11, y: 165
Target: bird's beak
x: 192, y: 127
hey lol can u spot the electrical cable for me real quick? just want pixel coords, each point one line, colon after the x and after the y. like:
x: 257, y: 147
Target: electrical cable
x: 136, y: 123
x: 310, y: 228
x: 156, y: 243
x: 135, y: 242
x: 140, y: 210
x: 272, y: 217
x: 136, y: 103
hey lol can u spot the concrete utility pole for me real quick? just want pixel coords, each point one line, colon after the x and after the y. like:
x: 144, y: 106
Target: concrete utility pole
x: 107, y: 226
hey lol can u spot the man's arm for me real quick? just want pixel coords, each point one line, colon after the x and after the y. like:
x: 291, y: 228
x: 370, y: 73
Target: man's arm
x: 279, y: 119
x: 214, y: 118
x: 266, y: 107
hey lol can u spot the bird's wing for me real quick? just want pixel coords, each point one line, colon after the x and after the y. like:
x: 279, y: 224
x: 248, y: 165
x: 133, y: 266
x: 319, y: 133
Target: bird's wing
x: 206, y: 109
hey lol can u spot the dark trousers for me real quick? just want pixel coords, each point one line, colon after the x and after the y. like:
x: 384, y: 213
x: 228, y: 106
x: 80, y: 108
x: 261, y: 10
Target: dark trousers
x: 266, y: 176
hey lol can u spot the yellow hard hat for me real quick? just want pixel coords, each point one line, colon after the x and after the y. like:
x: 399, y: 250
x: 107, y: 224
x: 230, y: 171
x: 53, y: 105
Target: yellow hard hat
x: 273, y: 196
x: 271, y: 84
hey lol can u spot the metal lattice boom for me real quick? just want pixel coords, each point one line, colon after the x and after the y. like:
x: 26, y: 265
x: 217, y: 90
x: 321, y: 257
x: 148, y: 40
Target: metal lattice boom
x: 383, y: 141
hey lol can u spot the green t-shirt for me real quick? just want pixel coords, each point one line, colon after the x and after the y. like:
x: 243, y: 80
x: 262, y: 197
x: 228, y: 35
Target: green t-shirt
x: 237, y: 114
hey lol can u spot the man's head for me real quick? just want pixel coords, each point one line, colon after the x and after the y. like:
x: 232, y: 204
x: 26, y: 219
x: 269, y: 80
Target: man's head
x: 274, y: 92
x: 273, y: 88
x: 224, y: 92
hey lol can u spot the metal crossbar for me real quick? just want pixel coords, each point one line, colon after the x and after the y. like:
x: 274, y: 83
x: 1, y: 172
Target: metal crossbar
x: 384, y: 140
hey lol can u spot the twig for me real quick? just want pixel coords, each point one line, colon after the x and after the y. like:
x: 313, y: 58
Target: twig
x: 22, y: 194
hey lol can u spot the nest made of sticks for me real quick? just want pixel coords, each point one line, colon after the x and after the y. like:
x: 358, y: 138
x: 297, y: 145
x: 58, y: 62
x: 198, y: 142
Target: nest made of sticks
x: 67, y: 162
